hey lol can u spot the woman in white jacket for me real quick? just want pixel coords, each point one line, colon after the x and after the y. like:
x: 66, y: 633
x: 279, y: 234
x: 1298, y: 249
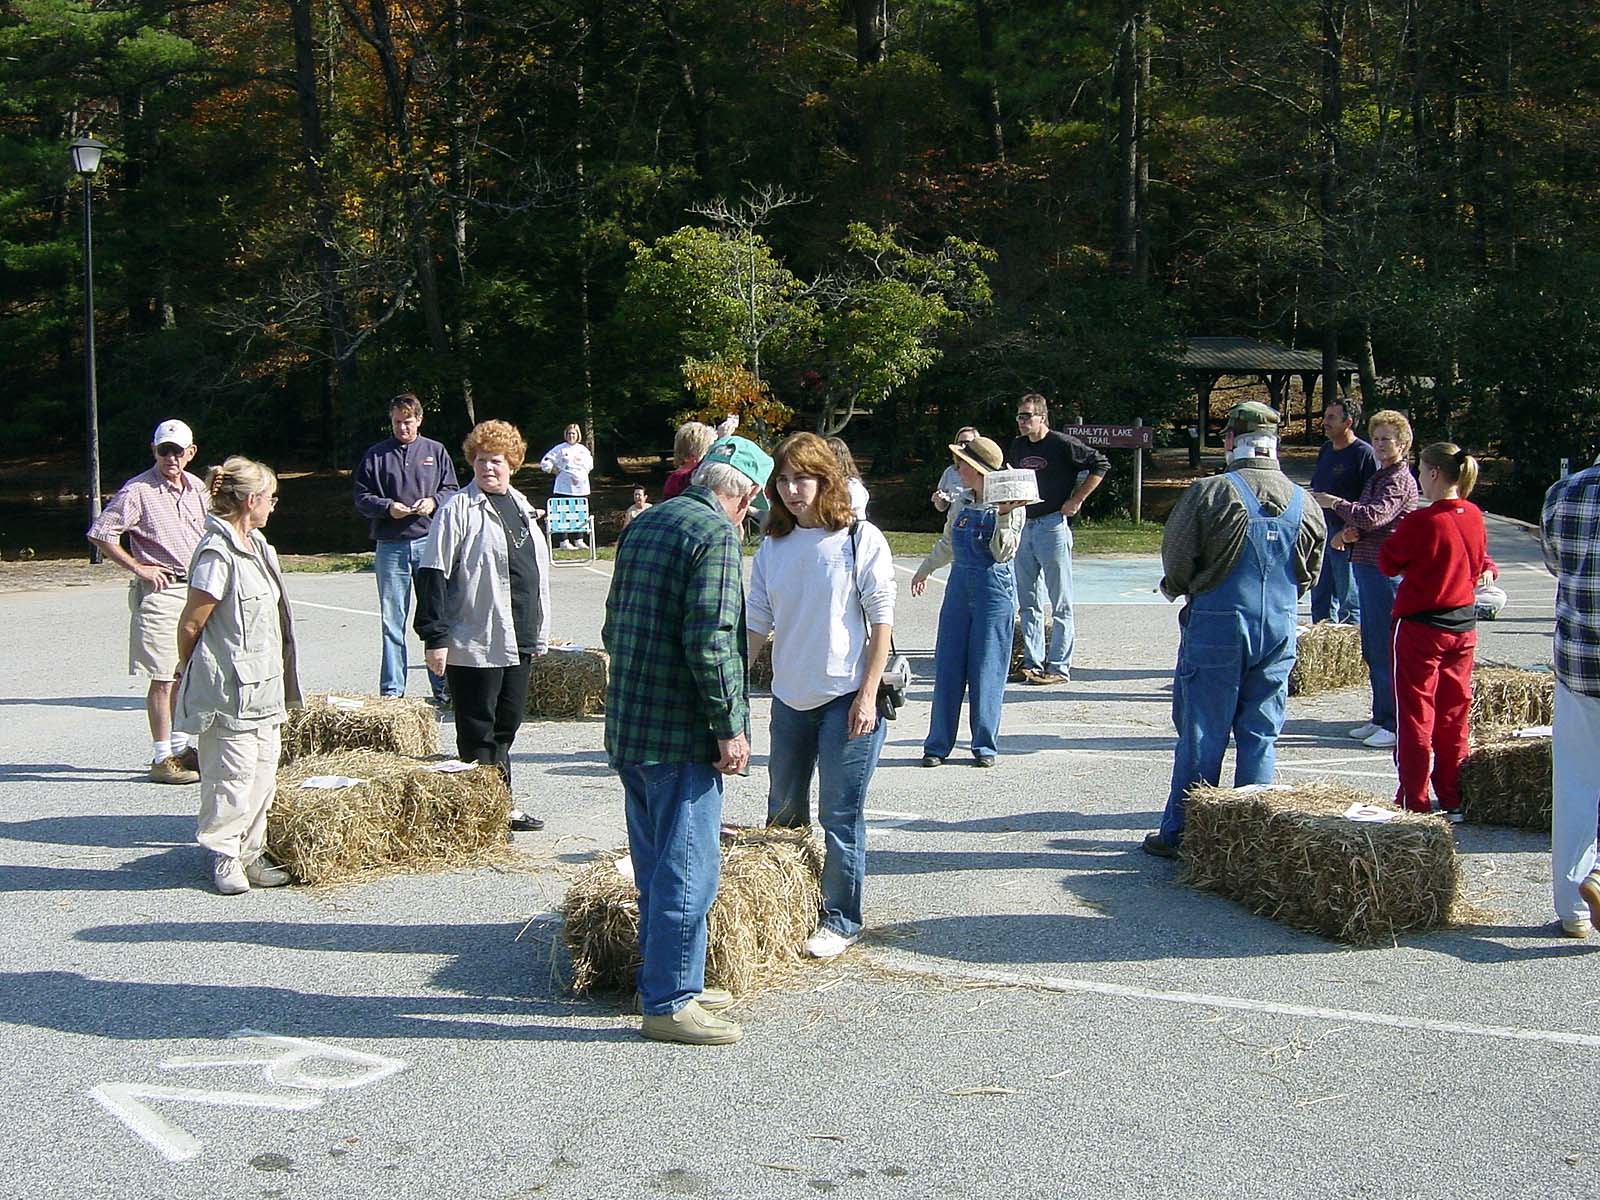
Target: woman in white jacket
x: 823, y: 586
x: 570, y: 462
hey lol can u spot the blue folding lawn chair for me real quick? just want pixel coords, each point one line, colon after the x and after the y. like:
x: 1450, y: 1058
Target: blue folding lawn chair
x: 565, y: 516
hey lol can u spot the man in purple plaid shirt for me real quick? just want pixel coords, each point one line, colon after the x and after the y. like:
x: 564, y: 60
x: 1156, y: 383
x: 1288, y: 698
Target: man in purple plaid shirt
x: 1571, y: 534
x: 150, y: 529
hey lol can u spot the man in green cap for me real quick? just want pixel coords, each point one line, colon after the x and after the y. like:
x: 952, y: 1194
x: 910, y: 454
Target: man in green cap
x: 678, y: 720
x: 1241, y: 548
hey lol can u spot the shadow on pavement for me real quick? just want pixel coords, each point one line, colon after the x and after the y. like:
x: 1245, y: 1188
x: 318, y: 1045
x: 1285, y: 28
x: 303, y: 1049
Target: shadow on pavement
x: 107, y: 703
x: 119, y: 832
x: 65, y: 773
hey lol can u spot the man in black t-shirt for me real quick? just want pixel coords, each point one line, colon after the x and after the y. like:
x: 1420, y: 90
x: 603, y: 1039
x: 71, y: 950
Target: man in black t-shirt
x: 1068, y: 470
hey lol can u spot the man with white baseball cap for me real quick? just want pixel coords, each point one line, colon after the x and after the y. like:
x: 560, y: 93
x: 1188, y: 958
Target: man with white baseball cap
x: 150, y: 528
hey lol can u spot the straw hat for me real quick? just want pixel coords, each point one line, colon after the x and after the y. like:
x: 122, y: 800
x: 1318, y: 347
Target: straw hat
x: 981, y: 454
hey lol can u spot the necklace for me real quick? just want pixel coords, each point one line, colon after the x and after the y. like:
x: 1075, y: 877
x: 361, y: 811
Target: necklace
x: 507, y: 508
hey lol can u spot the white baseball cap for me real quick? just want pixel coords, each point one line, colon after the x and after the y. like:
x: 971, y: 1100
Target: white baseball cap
x: 175, y: 432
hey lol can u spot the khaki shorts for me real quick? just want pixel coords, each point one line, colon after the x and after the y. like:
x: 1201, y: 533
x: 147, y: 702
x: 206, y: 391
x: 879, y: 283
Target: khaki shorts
x: 153, y: 629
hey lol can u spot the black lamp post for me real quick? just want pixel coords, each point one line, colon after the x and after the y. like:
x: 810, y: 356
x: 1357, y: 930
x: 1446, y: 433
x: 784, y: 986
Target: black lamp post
x: 86, y: 154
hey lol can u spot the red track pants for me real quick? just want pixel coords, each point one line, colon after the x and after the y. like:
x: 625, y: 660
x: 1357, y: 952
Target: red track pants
x: 1432, y: 692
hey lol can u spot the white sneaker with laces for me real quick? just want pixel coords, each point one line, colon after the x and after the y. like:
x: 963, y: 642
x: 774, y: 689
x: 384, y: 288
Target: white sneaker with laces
x: 828, y: 943
x: 1362, y: 732
x: 228, y: 877
x: 1382, y: 740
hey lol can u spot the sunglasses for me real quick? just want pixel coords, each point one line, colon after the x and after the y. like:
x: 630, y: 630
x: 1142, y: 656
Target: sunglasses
x: 168, y: 450
x: 1026, y: 416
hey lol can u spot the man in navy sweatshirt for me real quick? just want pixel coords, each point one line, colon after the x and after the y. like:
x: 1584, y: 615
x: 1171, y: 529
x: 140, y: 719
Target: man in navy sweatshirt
x: 399, y: 485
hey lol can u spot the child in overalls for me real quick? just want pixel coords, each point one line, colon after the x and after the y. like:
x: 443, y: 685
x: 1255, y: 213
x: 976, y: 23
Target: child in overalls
x: 973, y: 649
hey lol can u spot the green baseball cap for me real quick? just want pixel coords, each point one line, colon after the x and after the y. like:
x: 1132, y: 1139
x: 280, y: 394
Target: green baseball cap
x: 1252, y: 417
x: 744, y: 456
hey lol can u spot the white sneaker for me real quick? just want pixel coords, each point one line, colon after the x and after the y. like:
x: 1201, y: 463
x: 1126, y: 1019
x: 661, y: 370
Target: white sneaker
x: 827, y: 943
x: 1362, y: 732
x: 1382, y: 740
x: 228, y: 877
x: 1576, y: 927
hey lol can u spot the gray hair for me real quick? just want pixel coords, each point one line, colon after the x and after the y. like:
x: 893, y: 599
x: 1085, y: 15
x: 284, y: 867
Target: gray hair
x: 723, y: 479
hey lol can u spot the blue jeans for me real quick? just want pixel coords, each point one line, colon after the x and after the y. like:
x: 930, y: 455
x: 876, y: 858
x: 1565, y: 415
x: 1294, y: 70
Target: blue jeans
x: 1377, y: 638
x: 817, y: 741
x: 1333, y: 595
x: 674, y: 815
x: 393, y: 562
x: 1045, y: 556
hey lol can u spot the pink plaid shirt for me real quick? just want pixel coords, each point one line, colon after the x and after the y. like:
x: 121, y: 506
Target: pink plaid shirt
x: 163, y: 522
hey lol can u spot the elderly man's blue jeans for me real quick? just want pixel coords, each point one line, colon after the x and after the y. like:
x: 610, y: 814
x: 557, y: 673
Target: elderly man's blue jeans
x: 1333, y: 595
x: 393, y: 562
x: 818, y: 740
x: 674, y: 813
x: 1044, y: 557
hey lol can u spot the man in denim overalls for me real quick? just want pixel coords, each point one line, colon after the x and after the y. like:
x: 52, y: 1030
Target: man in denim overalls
x: 1242, y: 547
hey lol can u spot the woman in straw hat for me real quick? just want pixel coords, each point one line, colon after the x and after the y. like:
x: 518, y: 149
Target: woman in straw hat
x: 237, y: 674
x: 823, y: 586
x: 973, y: 649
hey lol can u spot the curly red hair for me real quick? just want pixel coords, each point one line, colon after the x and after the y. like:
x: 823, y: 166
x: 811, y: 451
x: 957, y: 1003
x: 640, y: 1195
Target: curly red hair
x: 496, y: 437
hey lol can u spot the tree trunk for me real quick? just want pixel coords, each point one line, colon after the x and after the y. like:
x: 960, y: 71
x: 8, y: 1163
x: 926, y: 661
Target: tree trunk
x: 1332, y: 115
x: 460, y: 187
x: 580, y: 167
x: 339, y: 369
x: 989, y: 109
x: 1367, y: 366
x: 1125, y: 240
x: 872, y: 31
x: 1141, y: 204
x: 694, y: 105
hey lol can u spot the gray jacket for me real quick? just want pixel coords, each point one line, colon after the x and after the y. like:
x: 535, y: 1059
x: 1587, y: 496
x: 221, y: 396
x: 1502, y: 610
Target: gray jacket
x: 467, y: 545
x: 242, y: 672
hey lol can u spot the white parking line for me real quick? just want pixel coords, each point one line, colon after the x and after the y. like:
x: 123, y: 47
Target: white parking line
x: 1343, y: 1016
x: 1335, y: 771
x: 359, y: 612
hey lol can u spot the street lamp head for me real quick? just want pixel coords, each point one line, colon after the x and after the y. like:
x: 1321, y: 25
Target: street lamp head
x: 86, y: 154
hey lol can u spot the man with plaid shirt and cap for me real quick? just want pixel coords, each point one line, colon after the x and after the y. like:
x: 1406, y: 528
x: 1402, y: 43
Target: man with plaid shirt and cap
x: 1570, y: 526
x: 1241, y: 548
x: 677, y: 721
x: 150, y: 529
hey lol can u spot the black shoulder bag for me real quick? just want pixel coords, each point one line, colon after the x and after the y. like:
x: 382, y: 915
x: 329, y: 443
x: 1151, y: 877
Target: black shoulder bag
x: 897, y: 674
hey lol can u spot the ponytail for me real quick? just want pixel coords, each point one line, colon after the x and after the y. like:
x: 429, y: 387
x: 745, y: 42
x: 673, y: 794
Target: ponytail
x: 1454, y: 463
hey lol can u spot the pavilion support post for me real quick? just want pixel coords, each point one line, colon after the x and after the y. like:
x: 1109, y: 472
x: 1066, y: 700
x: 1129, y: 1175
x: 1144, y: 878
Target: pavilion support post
x: 1308, y: 384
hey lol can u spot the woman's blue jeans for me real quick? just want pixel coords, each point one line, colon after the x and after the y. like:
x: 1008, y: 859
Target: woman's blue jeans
x: 817, y: 741
x: 674, y: 815
x: 1377, y: 638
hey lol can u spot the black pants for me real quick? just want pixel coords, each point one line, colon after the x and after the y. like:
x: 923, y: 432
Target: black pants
x: 489, y: 703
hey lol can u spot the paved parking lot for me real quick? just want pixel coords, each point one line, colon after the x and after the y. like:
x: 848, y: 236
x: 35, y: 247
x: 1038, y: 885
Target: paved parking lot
x: 1039, y: 1010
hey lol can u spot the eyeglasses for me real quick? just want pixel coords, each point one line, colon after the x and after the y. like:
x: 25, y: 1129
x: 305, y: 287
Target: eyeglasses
x: 1026, y: 416
x: 168, y: 450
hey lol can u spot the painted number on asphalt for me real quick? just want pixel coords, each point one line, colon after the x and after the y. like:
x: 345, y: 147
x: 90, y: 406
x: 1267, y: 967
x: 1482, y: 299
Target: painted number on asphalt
x: 286, y: 1062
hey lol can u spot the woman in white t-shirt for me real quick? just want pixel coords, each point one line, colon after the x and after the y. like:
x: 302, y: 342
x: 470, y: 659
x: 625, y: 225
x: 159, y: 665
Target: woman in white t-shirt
x: 823, y: 587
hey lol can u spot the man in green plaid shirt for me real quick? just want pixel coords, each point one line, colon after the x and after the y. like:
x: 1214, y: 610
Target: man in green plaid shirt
x: 677, y: 721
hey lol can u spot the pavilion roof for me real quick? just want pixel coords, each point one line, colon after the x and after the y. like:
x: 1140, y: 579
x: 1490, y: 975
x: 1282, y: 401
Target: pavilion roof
x: 1248, y: 356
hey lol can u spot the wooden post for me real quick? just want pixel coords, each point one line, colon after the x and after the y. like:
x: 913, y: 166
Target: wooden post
x: 1138, y: 472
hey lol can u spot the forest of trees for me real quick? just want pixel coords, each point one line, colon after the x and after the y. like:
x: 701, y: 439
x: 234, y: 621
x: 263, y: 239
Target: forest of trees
x: 886, y: 216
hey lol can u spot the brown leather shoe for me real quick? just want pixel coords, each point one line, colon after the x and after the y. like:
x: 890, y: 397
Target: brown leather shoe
x: 691, y: 1025
x: 1020, y: 675
x: 1047, y: 678
x: 189, y: 760
x: 170, y: 770
x: 1589, y: 889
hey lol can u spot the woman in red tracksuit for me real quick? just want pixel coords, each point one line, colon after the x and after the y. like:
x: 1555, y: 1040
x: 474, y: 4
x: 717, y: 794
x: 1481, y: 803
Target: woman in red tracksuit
x: 1441, y: 551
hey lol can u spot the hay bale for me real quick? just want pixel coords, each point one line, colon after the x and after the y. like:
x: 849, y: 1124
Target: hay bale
x: 402, y: 817
x: 1291, y: 855
x: 1507, y: 781
x: 761, y: 668
x: 569, y: 681
x: 1509, y: 698
x: 328, y: 723
x: 766, y: 906
x: 1327, y: 659
x: 1016, y: 643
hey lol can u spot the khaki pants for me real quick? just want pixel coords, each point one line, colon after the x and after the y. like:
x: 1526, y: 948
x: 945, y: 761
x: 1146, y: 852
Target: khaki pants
x: 238, y: 779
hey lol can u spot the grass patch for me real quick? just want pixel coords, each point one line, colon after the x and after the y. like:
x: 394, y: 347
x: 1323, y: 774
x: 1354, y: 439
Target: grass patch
x: 325, y: 564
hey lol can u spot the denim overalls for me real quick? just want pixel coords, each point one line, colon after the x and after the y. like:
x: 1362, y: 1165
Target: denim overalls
x: 973, y: 651
x: 1234, y: 661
